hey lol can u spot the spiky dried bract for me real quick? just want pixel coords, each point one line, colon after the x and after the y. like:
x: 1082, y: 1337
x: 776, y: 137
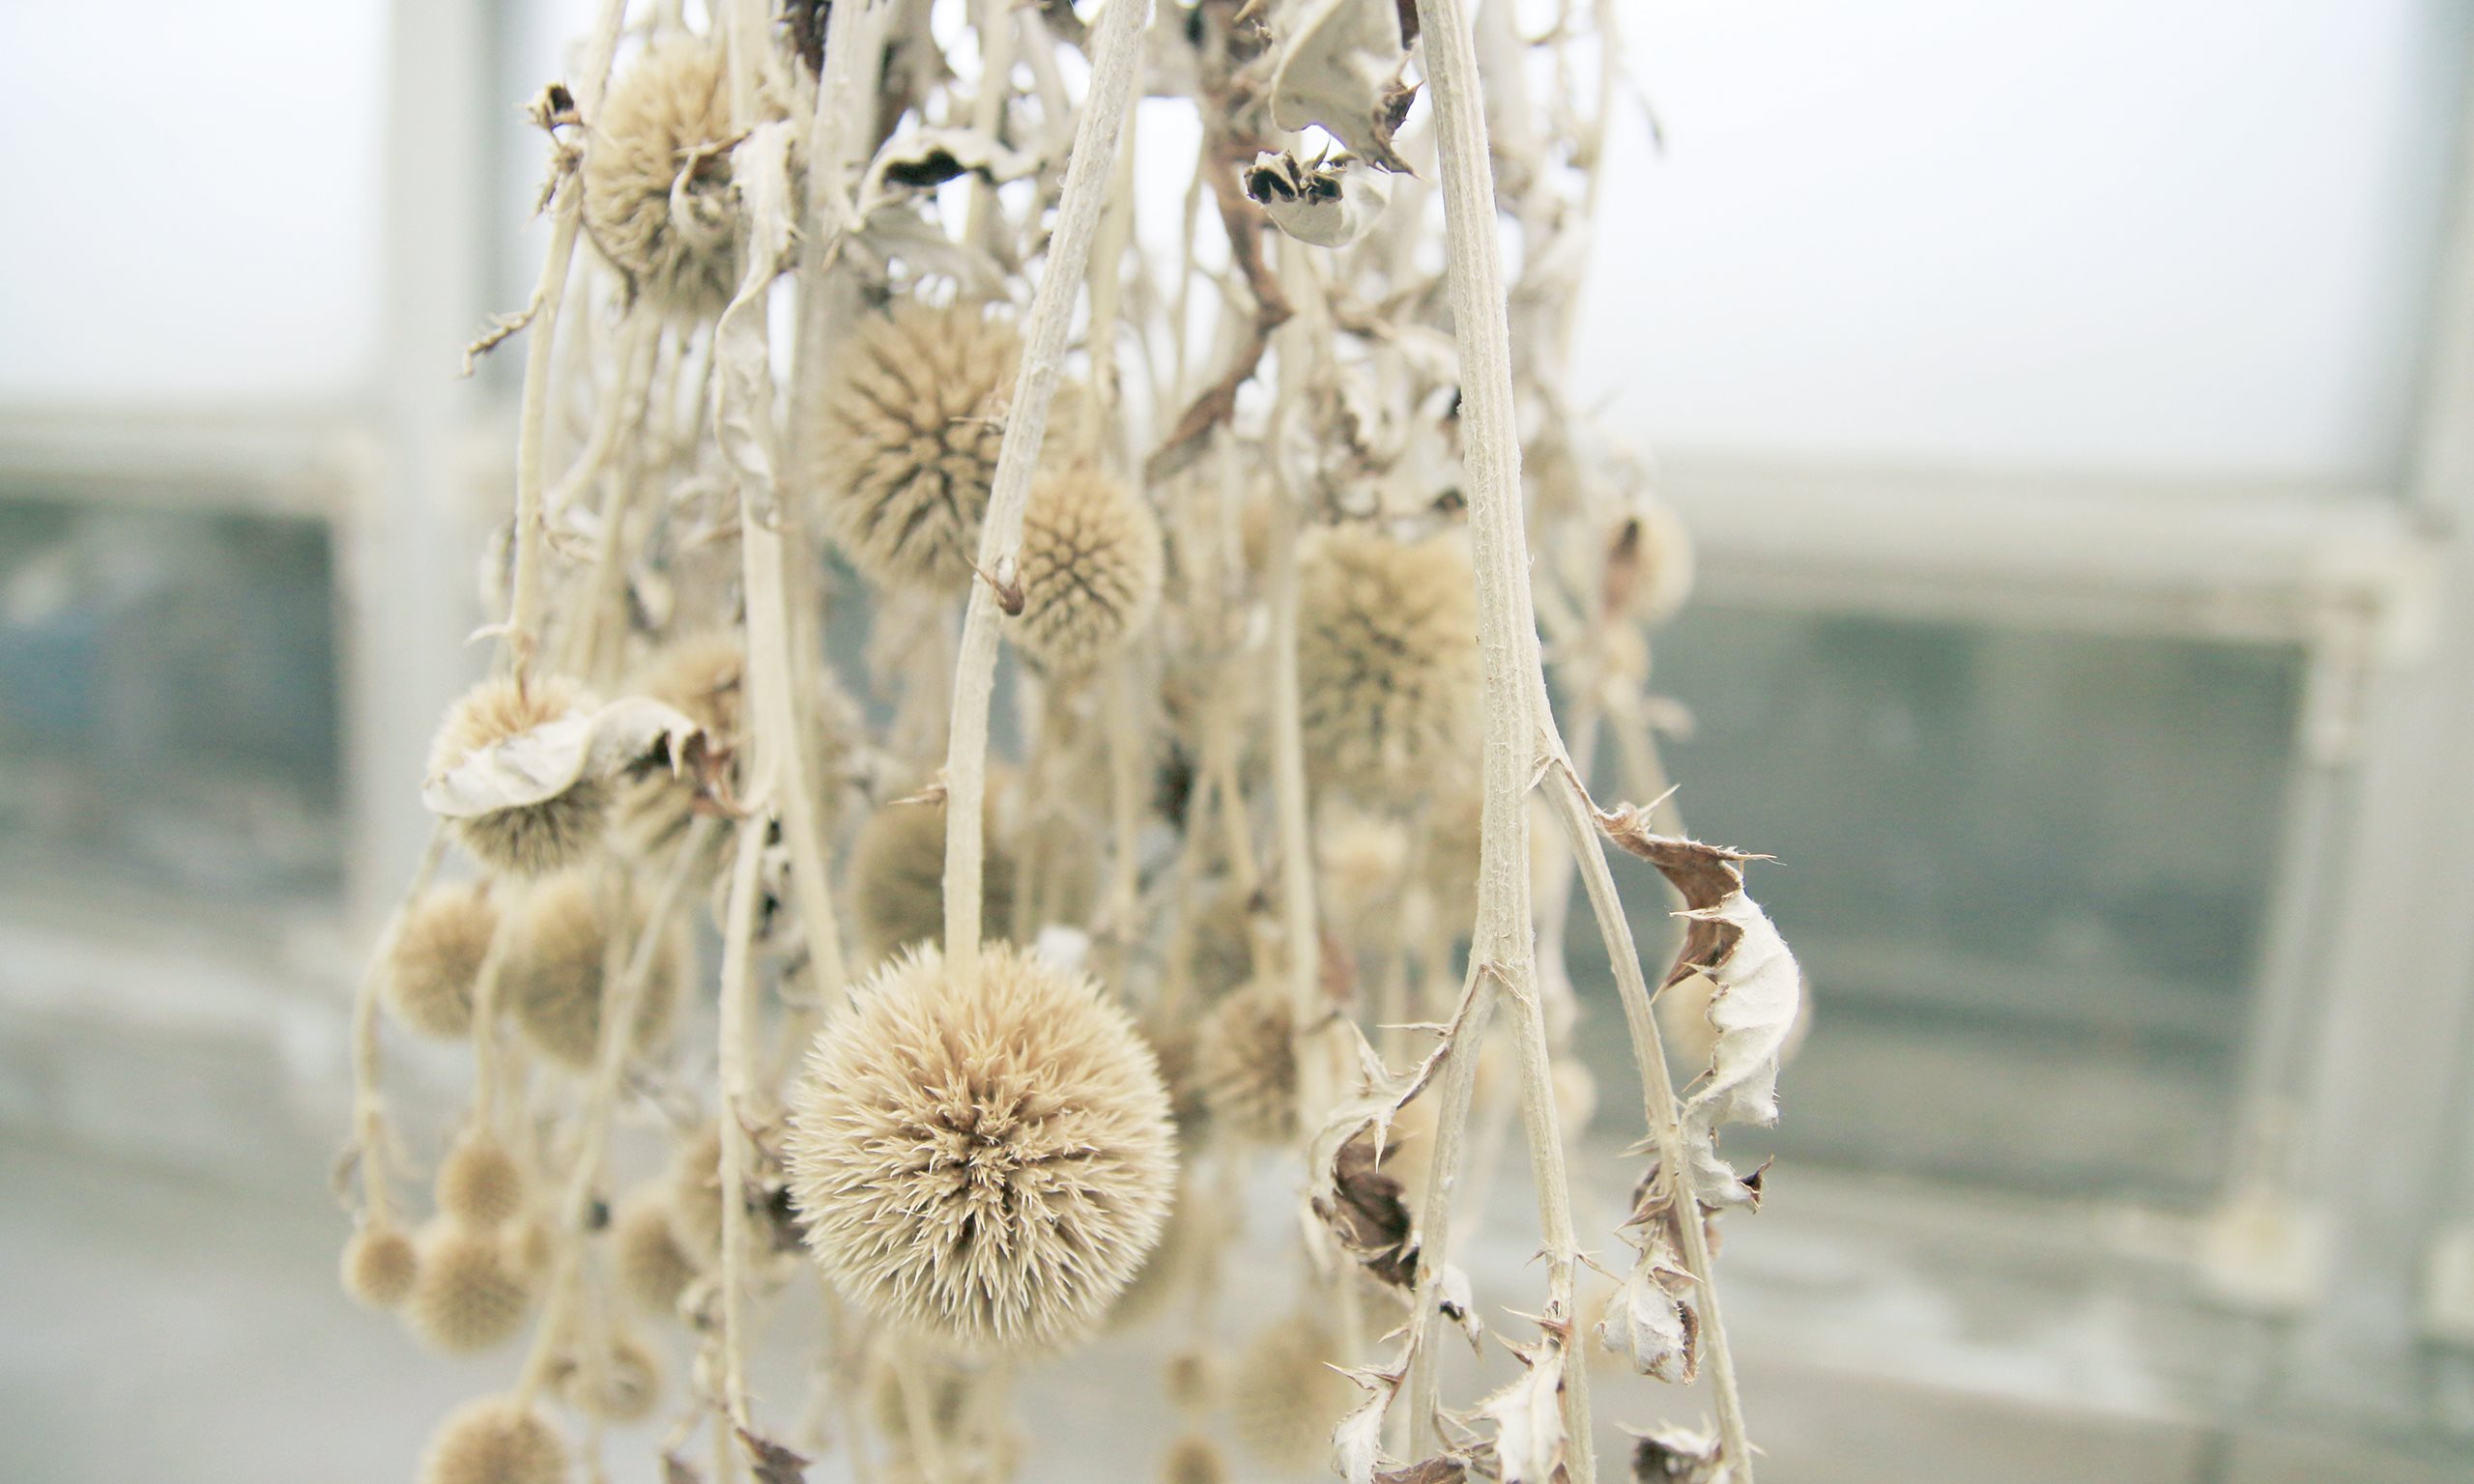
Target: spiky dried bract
x: 658, y: 195
x: 897, y: 878
x: 532, y: 839
x: 1246, y: 1063
x: 626, y: 1387
x: 436, y: 959
x: 1090, y: 569
x: 1194, y: 1458
x: 1387, y: 663
x: 703, y: 676
x: 555, y: 965
x: 906, y: 437
x: 473, y: 1291
x: 494, y: 1440
x: 1284, y: 1398
x: 480, y: 1184
x: 653, y: 1267
x: 379, y: 1266
x: 986, y: 1162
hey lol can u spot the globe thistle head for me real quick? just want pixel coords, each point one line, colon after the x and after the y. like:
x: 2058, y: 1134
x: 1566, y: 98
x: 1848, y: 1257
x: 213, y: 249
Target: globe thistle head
x: 436, y: 959
x: 1246, y: 1063
x: 703, y: 676
x: 654, y: 1268
x: 1194, y: 1458
x: 473, y: 1290
x: 1090, y: 569
x: 495, y: 1440
x: 626, y: 1389
x: 1387, y: 663
x: 1362, y: 860
x: 557, y: 962
x: 984, y: 1162
x: 1224, y: 936
x: 1284, y: 1398
x: 531, y: 839
x: 898, y: 876
x: 379, y: 1266
x: 906, y: 437
x: 479, y: 1185
x: 658, y: 197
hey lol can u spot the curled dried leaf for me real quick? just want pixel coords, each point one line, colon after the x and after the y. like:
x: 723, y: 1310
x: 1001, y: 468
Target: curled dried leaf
x: 544, y: 761
x: 1528, y: 1417
x: 1339, y: 66
x: 1346, y: 1191
x: 1447, y: 1468
x: 1327, y: 203
x: 1357, y: 1442
x: 1653, y: 1320
x: 771, y: 1462
x: 1365, y: 1209
x: 927, y: 158
x: 1676, y: 1455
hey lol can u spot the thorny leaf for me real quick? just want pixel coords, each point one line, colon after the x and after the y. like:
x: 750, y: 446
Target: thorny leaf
x: 1339, y: 66
x: 1446, y: 1469
x: 1329, y: 203
x: 772, y: 1463
x: 1528, y: 1417
x: 1652, y: 1319
x: 547, y: 760
x: 1676, y: 1455
x: 1356, y: 1441
x: 1453, y: 1298
x: 1367, y: 1213
x: 1334, y: 1152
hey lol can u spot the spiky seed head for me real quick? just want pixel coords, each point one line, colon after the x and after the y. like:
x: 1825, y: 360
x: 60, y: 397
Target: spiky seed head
x: 657, y: 196
x: 555, y: 965
x: 478, y: 1182
x: 628, y: 1386
x: 703, y: 676
x: 1246, y: 1063
x: 436, y: 959
x: 379, y: 1266
x: 1387, y: 663
x: 654, y: 1268
x: 1224, y: 940
x: 473, y: 1291
x: 1090, y: 569
x: 898, y: 876
x: 1194, y: 1458
x: 494, y: 1440
x: 984, y: 1160
x: 533, y: 840
x: 1363, y: 862
x: 1284, y: 1398
x: 905, y: 438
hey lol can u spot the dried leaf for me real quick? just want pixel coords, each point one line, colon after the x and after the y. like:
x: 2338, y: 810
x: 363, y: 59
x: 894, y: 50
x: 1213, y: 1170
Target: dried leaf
x: 1330, y: 202
x: 1528, y: 1417
x: 1453, y: 1297
x: 1676, y: 1455
x: 772, y: 1463
x: 1449, y: 1469
x: 676, y: 1470
x: 1339, y: 66
x: 1347, y: 1189
x: 1365, y: 1210
x: 931, y: 156
x: 549, y: 760
x: 1356, y: 1441
x: 1653, y: 1320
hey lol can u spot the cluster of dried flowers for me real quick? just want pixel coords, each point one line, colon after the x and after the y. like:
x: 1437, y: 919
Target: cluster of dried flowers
x: 991, y: 1044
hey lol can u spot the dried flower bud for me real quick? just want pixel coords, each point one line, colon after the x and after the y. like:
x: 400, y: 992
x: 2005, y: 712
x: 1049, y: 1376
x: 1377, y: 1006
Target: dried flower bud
x: 985, y: 1160
x: 1284, y: 1398
x: 1090, y: 569
x: 473, y: 1291
x: 1387, y: 659
x: 556, y: 967
x: 379, y: 1266
x: 478, y: 1182
x: 494, y: 1440
x: 436, y: 959
x: 1245, y: 1063
x: 657, y: 196
x: 536, y: 838
x: 898, y: 876
x: 1194, y: 1458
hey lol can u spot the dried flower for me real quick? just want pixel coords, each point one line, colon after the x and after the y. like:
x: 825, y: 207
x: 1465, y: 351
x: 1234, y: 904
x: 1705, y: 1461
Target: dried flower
x: 898, y: 876
x: 478, y: 1182
x: 657, y: 196
x: 436, y: 959
x: 473, y: 1291
x: 906, y: 440
x: 556, y: 967
x: 379, y: 1266
x: 985, y: 1160
x: 702, y: 676
x: 1246, y: 1063
x: 1284, y: 1397
x: 1387, y: 660
x: 653, y: 1267
x: 1090, y: 569
x: 628, y: 1386
x: 494, y: 1440
x: 1194, y: 1458
x: 536, y: 838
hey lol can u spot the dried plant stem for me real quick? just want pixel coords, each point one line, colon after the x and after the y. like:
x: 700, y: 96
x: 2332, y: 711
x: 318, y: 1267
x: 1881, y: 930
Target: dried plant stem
x: 368, y: 1097
x: 1089, y: 168
x: 737, y: 997
x: 994, y: 23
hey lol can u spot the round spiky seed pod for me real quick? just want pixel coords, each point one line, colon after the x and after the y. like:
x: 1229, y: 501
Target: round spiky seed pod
x: 987, y: 1160
x: 1246, y: 1063
x: 703, y: 676
x: 1387, y: 663
x: 906, y: 437
x: 1362, y: 860
x: 473, y: 1291
x: 658, y: 197
x: 436, y: 959
x: 555, y: 971
x: 478, y: 1182
x: 1090, y: 569
x: 379, y: 1266
x: 897, y: 878
x: 629, y: 1383
x: 1284, y: 1398
x: 532, y: 839
x: 653, y: 1267
x: 1194, y: 1458
x: 494, y: 1440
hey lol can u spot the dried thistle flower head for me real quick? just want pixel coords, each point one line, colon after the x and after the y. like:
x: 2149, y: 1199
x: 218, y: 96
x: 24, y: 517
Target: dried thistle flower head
x: 557, y: 963
x: 653, y: 1267
x: 1284, y: 1398
x: 702, y: 676
x: 1222, y: 948
x: 1090, y: 569
x: 1362, y: 859
x: 987, y: 1162
x: 493, y: 1440
x: 1194, y: 1458
x: 1387, y: 663
x: 905, y: 438
x: 436, y: 959
x: 473, y: 1291
x: 658, y: 195
x: 379, y: 1266
x: 1246, y: 1063
x: 478, y: 1182
x: 898, y: 876
x: 626, y: 1387
x: 533, y: 840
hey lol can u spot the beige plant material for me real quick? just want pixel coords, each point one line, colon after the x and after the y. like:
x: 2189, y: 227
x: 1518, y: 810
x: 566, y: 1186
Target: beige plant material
x: 473, y: 1291
x: 429, y: 971
x: 379, y: 1266
x: 1339, y: 66
x: 651, y: 1265
x: 657, y: 196
x: 1194, y: 1458
x: 1090, y: 570
x: 703, y: 676
x: 620, y: 1382
x: 480, y: 1184
x: 898, y: 876
x: 1387, y: 673
x: 553, y: 984
x: 1284, y: 1396
x: 1330, y: 202
x: 1244, y: 1064
x: 495, y: 1440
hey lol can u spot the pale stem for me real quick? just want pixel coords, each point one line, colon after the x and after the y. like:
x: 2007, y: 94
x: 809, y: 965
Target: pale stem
x: 600, y: 636
x: 368, y: 1097
x: 995, y: 24
x: 738, y: 990
x: 1088, y: 169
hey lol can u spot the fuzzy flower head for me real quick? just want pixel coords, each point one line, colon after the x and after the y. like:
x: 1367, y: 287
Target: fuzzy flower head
x: 480, y: 1184
x: 654, y: 1268
x: 897, y: 875
x: 1387, y: 663
x: 436, y: 959
x: 658, y: 197
x: 985, y: 1163
x: 557, y: 964
x: 905, y: 438
x: 1284, y: 1397
x: 379, y: 1266
x: 472, y: 1292
x: 1246, y: 1063
x: 536, y: 838
x: 1090, y: 569
x: 494, y: 1440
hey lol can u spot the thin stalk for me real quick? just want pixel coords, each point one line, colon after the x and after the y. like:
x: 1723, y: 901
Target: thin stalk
x: 368, y: 1099
x: 738, y: 992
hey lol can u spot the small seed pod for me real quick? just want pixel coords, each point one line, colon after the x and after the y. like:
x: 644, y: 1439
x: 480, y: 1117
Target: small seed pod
x: 379, y: 1266
x: 1284, y: 1398
x: 905, y: 438
x: 658, y: 195
x: 985, y: 1160
x: 471, y: 1293
x: 494, y: 1440
x: 555, y: 966
x: 897, y: 878
x: 1090, y: 569
x: 1245, y: 1063
x: 703, y: 676
x: 1194, y: 1458
x: 436, y: 959
x: 628, y: 1386
x: 532, y: 839
x: 652, y: 1267
x: 478, y: 1184
x: 1387, y: 664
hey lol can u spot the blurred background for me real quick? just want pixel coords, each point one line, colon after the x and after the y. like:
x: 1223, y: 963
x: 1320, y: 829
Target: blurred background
x: 2075, y: 408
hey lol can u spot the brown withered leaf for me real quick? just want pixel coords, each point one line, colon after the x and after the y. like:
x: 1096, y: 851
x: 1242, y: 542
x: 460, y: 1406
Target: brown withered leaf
x: 773, y: 1463
x: 1705, y: 874
x: 1368, y: 1114
x: 1366, y: 1211
x: 1674, y: 1455
x: 1446, y: 1469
